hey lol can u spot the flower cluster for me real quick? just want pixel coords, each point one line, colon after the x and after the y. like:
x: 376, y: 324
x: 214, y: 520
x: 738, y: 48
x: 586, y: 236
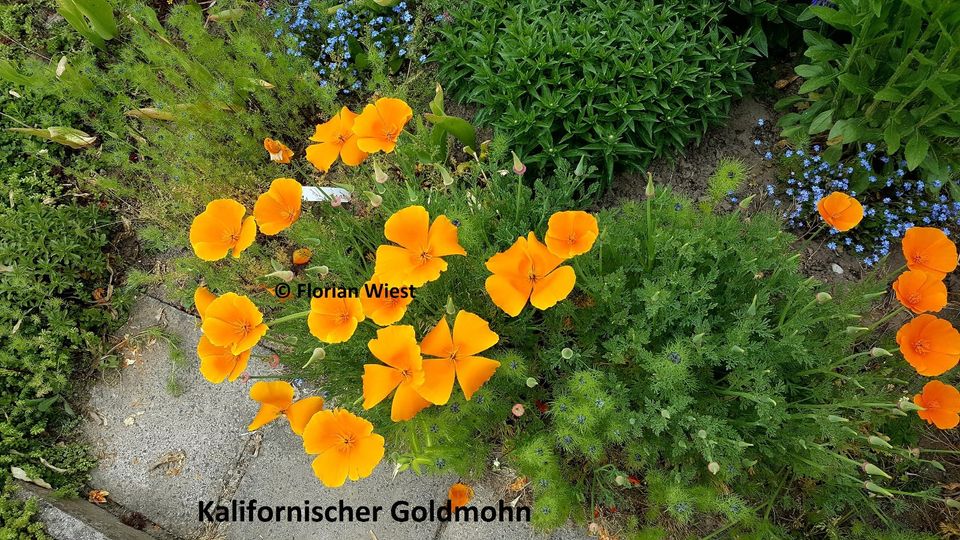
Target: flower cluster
x: 417, y: 374
x: 336, y: 44
x: 931, y: 345
x: 892, y: 203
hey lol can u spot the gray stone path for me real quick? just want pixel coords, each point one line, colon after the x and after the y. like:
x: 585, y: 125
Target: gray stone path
x: 160, y: 455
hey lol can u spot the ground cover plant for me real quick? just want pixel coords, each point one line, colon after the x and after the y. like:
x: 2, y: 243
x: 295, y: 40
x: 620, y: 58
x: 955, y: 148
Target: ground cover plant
x: 618, y: 83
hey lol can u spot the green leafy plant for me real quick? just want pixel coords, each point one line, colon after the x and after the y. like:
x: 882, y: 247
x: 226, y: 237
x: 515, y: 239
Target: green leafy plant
x: 619, y: 83
x: 93, y: 19
x: 884, y: 72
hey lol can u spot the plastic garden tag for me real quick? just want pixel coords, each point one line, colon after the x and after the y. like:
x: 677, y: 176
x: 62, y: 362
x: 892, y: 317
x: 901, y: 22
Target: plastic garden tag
x: 314, y: 194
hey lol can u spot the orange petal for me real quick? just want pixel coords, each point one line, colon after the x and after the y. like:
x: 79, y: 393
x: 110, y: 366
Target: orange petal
x: 409, y: 227
x: 438, y: 342
x: 266, y: 414
x: 321, y: 432
x: 473, y: 371
x: 442, y: 239
x: 543, y: 261
x: 472, y: 335
x: 407, y: 403
x: 395, y: 112
x: 840, y: 211
x: 426, y: 271
x: 215, y: 230
x: 366, y: 455
x: 333, y: 129
x: 300, y: 413
x: 324, y: 154
x: 331, y: 468
x: 378, y: 382
x: 553, y: 288
x: 438, y: 380
x: 371, y: 130
x: 279, y: 207
x: 571, y: 233
x: 514, y: 263
x: 351, y: 153
x: 248, y: 233
x: 202, y: 298
x: 276, y: 393
x: 218, y: 363
x: 510, y: 295
x: 930, y: 250
x: 397, y: 347
x: 393, y: 265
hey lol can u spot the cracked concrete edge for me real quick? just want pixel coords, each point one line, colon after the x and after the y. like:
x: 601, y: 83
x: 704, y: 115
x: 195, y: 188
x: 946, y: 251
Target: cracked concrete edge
x: 231, y: 482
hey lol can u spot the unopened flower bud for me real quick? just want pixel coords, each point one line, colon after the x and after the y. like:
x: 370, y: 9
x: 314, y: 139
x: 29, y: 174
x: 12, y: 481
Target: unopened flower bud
x: 713, y: 467
x: 823, y: 297
x: 855, y: 329
x: 836, y: 419
x: 518, y: 166
x: 906, y: 405
x: 746, y: 201
x: 698, y: 339
x: 285, y: 275
x: 873, y: 470
x: 518, y: 410
x: 877, y: 441
x: 531, y: 382
x: 952, y: 503
x: 737, y: 349
x: 450, y: 308
x: 375, y: 200
x: 877, y: 352
x: 650, y: 191
x: 870, y: 486
x: 566, y: 353
x: 378, y: 175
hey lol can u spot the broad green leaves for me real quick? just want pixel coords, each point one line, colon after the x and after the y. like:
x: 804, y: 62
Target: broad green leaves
x: 93, y: 19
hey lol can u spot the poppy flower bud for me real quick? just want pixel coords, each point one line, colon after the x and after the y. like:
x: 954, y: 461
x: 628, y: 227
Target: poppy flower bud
x: 318, y: 354
x: 593, y: 528
x: 898, y: 412
x: 737, y: 349
x: 952, y: 503
x: 836, y: 419
x: 877, y: 352
x: 650, y: 191
x: 566, y: 353
x: 450, y: 308
x: 581, y: 167
x: 746, y: 201
x: 378, y: 175
x: 855, y: 329
x: 518, y: 166
x: 823, y: 297
x: 873, y: 470
x: 870, y: 486
x: 375, y: 200
x: 620, y: 480
x: 531, y: 382
x: 445, y: 175
x: 698, y: 339
x: 518, y: 410
x: 713, y: 467
x: 906, y: 405
x: 285, y: 275
x: 752, y: 310
x: 665, y: 413
x: 877, y: 441
x: 321, y: 270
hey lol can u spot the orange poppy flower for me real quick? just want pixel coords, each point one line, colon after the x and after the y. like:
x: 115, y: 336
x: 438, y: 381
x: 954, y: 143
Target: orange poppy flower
x: 219, y: 363
x: 334, y: 320
x: 276, y: 398
x: 571, y: 233
x: 380, y: 124
x: 840, y: 211
x: 417, y: 259
x: 278, y: 151
x: 459, y: 494
x: 201, y: 299
x: 302, y: 256
x: 346, y: 444
x: 221, y: 228
x: 919, y: 291
x: 941, y: 404
x: 395, y: 346
x: 336, y: 139
x: 233, y: 321
x: 930, y: 344
x: 456, y: 356
x: 279, y: 207
x: 928, y: 249
x: 528, y: 271
x: 382, y: 309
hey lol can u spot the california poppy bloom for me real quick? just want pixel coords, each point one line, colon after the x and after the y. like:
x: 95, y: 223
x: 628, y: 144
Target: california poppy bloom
x: 380, y: 124
x: 279, y: 207
x: 528, y: 271
x: 302, y: 256
x: 334, y: 320
x: 395, y: 346
x: 201, y: 299
x: 382, y: 309
x: 930, y: 344
x: 278, y: 151
x: 276, y: 398
x: 919, y: 291
x: 840, y: 211
x: 219, y: 363
x: 456, y: 356
x: 346, y: 444
x: 571, y: 233
x: 220, y: 229
x: 336, y: 139
x: 459, y: 494
x: 941, y: 404
x: 233, y: 321
x: 418, y: 258
x: 928, y: 249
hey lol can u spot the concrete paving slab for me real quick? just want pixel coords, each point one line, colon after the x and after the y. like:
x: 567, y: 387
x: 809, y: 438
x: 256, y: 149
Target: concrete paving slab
x: 281, y: 475
x: 160, y: 454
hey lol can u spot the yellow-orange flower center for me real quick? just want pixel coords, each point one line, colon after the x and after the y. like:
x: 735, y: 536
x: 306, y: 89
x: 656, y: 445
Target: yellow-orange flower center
x: 914, y: 298
x: 391, y: 136
x: 425, y: 256
x: 917, y: 258
x: 921, y: 346
x: 347, y: 442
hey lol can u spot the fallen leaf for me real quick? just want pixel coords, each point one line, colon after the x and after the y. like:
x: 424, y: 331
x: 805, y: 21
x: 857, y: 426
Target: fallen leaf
x: 52, y: 467
x: 518, y: 484
x: 21, y: 474
x: 783, y: 83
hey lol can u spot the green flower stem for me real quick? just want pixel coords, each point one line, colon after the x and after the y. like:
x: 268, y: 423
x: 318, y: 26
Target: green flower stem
x: 886, y: 318
x: 843, y: 405
x: 291, y: 317
x: 829, y: 369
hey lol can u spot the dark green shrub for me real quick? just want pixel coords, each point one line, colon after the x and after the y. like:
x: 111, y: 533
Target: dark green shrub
x: 619, y: 83
x: 883, y: 72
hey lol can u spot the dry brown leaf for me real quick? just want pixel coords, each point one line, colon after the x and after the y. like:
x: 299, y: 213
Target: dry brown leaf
x: 98, y: 496
x: 518, y: 484
x: 783, y: 83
